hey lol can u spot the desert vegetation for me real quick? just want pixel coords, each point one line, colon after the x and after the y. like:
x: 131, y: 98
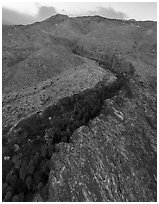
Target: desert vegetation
x: 34, y: 139
x: 44, y: 68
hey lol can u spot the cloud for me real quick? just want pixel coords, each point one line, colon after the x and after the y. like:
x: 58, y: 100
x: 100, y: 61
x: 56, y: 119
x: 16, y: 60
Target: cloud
x: 108, y: 13
x: 28, y: 8
x: 10, y: 17
x: 46, y: 12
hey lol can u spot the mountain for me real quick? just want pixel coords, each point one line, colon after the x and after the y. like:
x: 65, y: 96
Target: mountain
x: 79, y: 101
x: 33, y: 52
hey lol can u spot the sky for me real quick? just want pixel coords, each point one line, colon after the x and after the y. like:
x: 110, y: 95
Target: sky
x: 30, y: 12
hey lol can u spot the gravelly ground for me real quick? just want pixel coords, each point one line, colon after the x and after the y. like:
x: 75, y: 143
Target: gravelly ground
x: 20, y: 104
x: 111, y: 159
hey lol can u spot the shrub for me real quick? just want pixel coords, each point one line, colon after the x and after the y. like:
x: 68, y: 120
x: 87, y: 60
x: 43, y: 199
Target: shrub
x: 17, y: 161
x: 49, y: 111
x: 8, y: 197
x: 51, y: 132
x: 10, y: 189
x: 21, y: 197
x: 68, y: 132
x: 28, y: 182
x: 19, y: 185
x: 50, y: 149
x: 45, y: 168
x: 31, y: 167
x: 63, y: 122
x: 65, y: 101
x: 4, y: 141
x: 15, y: 198
x: 40, y: 185
x: 43, y: 152
x: 22, y: 173
x: 45, y: 190
x: 13, y: 180
x: 36, y: 158
x: 37, y: 177
x: 8, y: 177
x: 4, y: 189
x: 77, y: 123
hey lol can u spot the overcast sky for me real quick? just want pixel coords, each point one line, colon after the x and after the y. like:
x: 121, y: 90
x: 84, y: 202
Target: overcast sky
x: 25, y: 13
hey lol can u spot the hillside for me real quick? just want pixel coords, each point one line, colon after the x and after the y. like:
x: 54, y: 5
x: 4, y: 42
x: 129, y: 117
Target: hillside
x: 34, y: 53
x: 80, y: 110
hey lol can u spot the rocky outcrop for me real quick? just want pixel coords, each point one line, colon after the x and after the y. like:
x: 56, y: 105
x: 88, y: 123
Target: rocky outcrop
x: 93, y: 144
x: 32, y: 141
x: 109, y: 160
x: 96, y: 144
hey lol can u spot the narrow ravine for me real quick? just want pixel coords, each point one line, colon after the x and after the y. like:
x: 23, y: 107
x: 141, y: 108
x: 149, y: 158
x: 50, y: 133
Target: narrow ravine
x: 27, y: 149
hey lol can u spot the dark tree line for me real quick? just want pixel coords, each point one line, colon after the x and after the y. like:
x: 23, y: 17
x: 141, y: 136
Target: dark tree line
x: 39, y: 134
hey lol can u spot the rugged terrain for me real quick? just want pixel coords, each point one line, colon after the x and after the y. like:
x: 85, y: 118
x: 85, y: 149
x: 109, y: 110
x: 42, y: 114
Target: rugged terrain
x: 79, y: 101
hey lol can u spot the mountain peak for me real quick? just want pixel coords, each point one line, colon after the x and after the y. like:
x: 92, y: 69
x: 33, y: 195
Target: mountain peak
x: 58, y: 18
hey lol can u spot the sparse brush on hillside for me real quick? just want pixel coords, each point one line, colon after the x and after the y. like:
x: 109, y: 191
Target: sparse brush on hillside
x: 32, y: 53
x: 42, y: 132
x: 39, y: 51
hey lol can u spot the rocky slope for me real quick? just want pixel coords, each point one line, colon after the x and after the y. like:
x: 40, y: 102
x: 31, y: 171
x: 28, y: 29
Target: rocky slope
x: 19, y: 104
x: 36, y: 52
x: 112, y: 158
x: 34, y: 55
x: 89, y: 120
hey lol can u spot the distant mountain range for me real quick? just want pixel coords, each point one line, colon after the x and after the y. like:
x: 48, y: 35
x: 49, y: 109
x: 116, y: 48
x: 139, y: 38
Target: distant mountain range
x: 33, y: 53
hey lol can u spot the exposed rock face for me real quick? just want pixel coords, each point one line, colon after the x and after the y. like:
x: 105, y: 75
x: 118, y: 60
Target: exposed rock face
x: 109, y: 159
x: 88, y: 134
x: 32, y: 141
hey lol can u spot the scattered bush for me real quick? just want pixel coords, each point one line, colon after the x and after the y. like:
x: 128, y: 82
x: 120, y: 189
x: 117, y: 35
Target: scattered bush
x: 22, y: 173
x: 21, y: 197
x: 15, y: 198
x: 13, y: 180
x: 4, y: 189
x: 43, y: 152
x: 8, y: 197
x: 37, y: 176
x: 36, y: 158
x: 28, y: 182
x: 45, y: 131
x: 31, y: 167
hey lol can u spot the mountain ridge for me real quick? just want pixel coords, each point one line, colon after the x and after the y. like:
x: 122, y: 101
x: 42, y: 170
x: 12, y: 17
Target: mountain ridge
x: 80, y: 101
